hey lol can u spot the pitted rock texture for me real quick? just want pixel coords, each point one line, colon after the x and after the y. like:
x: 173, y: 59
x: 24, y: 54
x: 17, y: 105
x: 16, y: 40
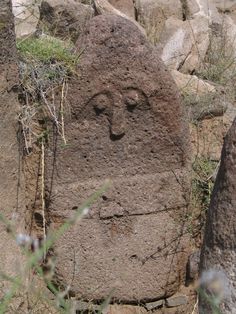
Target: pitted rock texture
x: 126, y: 123
x: 12, y: 205
x: 218, y: 250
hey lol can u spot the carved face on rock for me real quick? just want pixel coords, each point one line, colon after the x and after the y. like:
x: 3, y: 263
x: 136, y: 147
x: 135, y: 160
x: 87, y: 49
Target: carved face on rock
x: 126, y: 124
x: 126, y: 114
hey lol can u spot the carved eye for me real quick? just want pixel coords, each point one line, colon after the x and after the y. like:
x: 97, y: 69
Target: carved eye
x: 131, y: 99
x: 101, y: 103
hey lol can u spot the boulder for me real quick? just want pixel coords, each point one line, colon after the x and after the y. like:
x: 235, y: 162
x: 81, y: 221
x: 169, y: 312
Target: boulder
x: 152, y: 14
x: 227, y: 8
x: 26, y: 14
x: 205, y: 9
x: 185, y: 43
x: 191, y: 84
x: 64, y: 18
x: 226, y: 5
x: 125, y: 6
x: 126, y: 123
x: 218, y: 250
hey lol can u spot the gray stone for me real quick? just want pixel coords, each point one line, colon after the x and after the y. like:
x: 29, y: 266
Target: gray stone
x: 153, y: 305
x: 26, y: 14
x: 176, y: 300
x: 125, y: 6
x: 152, y: 14
x: 185, y: 43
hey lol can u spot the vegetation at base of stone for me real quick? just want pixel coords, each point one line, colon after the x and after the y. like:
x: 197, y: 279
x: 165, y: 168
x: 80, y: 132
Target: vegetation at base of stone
x: 213, y: 289
x: 48, y: 49
x: 211, y: 303
x: 36, y: 262
x: 203, y: 175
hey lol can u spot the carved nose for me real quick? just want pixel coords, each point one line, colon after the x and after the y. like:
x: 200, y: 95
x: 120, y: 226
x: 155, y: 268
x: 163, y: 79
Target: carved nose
x: 118, y: 117
x: 118, y: 123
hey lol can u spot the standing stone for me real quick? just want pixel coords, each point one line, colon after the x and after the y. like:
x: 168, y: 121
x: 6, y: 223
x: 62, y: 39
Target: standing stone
x: 218, y: 251
x: 125, y: 122
x: 11, y: 179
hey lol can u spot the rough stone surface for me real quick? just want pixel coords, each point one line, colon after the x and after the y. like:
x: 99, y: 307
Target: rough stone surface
x: 65, y: 18
x: 26, y: 14
x: 126, y: 123
x: 11, y: 178
x: 218, y: 250
x: 125, y: 6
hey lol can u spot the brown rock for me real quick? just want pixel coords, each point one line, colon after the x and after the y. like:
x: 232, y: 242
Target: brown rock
x: 64, y: 18
x: 125, y: 123
x: 218, y: 251
x: 12, y: 204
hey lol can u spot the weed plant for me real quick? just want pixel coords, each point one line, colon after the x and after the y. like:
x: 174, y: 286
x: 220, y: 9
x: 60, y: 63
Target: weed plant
x: 48, y: 49
x: 45, y: 67
x: 34, y: 263
x: 203, y: 174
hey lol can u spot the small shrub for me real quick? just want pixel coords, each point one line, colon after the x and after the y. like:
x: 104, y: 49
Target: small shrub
x: 219, y: 65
